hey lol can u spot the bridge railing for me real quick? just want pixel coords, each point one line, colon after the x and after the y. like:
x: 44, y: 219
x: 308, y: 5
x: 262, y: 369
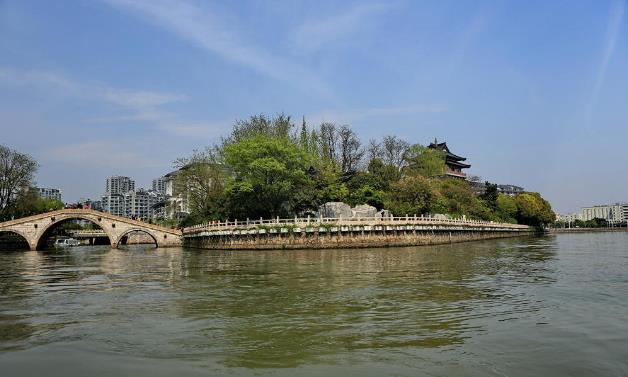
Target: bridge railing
x: 341, y: 221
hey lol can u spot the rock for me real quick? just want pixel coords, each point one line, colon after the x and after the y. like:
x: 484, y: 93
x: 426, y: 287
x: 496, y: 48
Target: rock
x: 364, y: 210
x: 343, y: 210
x: 335, y: 210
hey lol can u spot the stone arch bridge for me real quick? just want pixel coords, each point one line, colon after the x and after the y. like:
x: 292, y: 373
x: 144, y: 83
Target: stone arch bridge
x: 33, y: 228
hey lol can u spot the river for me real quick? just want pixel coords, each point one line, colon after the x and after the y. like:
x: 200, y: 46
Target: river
x: 532, y: 306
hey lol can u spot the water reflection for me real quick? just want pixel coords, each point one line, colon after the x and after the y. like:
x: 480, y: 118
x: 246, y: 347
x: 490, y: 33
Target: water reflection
x: 269, y: 309
x: 286, y: 308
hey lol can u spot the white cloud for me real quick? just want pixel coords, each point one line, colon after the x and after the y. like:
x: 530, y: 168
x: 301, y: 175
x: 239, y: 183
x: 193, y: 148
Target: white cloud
x: 140, y: 105
x: 314, y: 34
x: 204, y: 28
x: 612, y: 33
x: 139, y: 101
x: 39, y: 79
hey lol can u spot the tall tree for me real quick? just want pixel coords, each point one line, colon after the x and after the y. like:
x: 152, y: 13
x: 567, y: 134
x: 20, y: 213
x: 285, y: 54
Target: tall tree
x: 269, y: 174
x: 393, y: 149
x: 328, y: 140
x: 412, y: 195
x: 279, y: 127
x: 424, y: 161
x: 457, y: 198
x: 374, y: 150
x: 533, y: 210
x: 16, y: 176
x: 490, y: 195
x: 304, y: 136
x: 351, y: 151
x: 202, y: 180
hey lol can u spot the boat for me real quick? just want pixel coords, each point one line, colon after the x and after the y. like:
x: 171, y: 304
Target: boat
x: 66, y: 242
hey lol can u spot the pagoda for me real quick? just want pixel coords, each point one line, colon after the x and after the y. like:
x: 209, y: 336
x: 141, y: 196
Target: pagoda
x: 454, y: 162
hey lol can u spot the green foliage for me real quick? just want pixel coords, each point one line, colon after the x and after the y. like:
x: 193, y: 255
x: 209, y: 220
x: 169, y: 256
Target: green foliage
x: 533, y: 210
x: 28, y: 203
x: 278, y: 127
x: 329, y: 186
x: 202, y: 180
x: 490, y: 195
x: 506, y: 208
x: 593, y: 223
x: 16, y: 177
x: 424, y: 161
x: 367, y: 195
x: 269, y: 174
x: 457, y: 198
x: 267, y: 168
x: 412, y: 195
x: 382, y: 175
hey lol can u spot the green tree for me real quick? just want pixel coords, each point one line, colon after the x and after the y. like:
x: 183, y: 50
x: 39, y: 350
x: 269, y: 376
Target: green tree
x: 329, y: 186
x: 28, y: 203
x: 269, y: 175
x: 393, y: 150
x: 16, y: 177
x: 350, y: 150
x: 490, y: 195
x: 533, y: 210
x: 202, y: 180
x: 412, y: 195
x: 457, y: 198
x: 428, y: 162
x: 367, y: 195
x: 382, y: 175
x: 278, y: 127
x: 506, y: 208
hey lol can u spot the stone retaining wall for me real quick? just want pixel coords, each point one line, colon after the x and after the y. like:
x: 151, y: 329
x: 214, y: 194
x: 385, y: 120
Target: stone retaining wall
x: 344, y: 239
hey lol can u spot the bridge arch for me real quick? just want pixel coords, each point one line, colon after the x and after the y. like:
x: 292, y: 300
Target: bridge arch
x: 137, y: 230
x: 35, y: 228
x: 56, y: 220
x: 27, y: 244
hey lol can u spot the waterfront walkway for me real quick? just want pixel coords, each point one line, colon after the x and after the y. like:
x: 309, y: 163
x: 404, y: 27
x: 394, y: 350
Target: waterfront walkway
x: 310, y: 224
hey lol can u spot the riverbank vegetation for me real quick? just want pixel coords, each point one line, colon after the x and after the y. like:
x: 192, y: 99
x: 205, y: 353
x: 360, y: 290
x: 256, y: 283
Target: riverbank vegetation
x: 268, y: 167
x: 17, y: 198
x: 593, y: 223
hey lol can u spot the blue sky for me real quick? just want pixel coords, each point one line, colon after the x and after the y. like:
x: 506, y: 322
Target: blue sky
x: 534, y: 93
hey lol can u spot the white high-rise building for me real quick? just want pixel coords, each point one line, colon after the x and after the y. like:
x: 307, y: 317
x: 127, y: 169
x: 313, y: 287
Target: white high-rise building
x: 49, y: 193
x: 142, y: 204
x: 119, y: 185
x: 159, y: 185
x: 596, y: 212
x: 177, y: 199
x: 615, y: 213
x: 114, y: 204
x: 619, y: 213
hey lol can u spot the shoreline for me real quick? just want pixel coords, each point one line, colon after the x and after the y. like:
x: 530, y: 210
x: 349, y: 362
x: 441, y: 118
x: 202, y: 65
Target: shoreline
x: 586, y: 230
x: 347, y: 240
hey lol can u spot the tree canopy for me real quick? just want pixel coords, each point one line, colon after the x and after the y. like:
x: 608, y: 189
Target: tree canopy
x: 269, y: 167
x: 16, y: 177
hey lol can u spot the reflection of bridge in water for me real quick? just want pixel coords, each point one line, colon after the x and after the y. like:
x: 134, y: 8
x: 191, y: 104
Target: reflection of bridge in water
x: 36, y: 229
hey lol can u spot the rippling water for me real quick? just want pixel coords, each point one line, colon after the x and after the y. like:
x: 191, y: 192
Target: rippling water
x: 552, y: 306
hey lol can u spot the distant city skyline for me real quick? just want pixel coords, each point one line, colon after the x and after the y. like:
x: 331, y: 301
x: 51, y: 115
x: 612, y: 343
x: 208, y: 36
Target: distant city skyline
x: 533, y: 94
